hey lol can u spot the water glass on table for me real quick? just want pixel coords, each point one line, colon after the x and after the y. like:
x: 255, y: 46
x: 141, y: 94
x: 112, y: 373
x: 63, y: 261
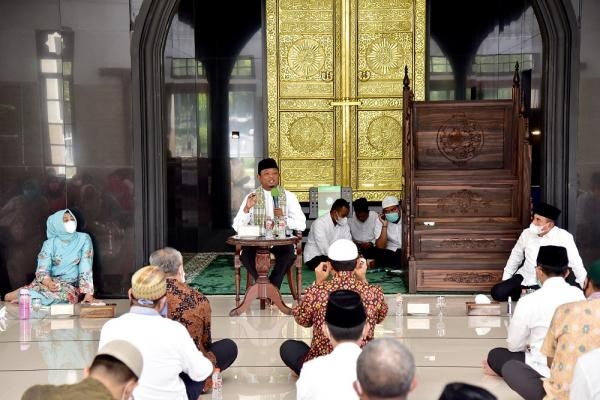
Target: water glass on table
x: 36, y: 304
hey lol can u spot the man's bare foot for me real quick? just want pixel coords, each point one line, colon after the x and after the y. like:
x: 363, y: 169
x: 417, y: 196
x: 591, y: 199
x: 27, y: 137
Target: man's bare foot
x: 487, y: 370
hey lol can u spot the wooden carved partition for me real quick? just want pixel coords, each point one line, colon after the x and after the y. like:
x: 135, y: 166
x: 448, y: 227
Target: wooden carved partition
x: 466, y: 189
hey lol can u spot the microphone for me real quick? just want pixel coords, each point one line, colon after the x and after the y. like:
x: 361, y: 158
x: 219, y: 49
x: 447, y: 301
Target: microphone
x: 275, y: 194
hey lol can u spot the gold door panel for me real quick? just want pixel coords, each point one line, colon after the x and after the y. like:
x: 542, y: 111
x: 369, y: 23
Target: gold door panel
x: 334, y: 90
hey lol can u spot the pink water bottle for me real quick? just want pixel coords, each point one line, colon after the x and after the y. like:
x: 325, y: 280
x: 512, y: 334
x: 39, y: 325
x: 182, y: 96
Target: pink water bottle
x: 24, y: 304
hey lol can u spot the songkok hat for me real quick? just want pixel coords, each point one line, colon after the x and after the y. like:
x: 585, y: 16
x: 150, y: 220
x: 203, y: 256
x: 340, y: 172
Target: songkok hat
x: 361, y: 205
x: 266, y: 164
x: 553, y: 257
x: 389, y: 201
x: 125, y: 352
x: 342, y: 250
x: 148, y: 283
x: 547, y: 210
x: 345, y: 309
x: 593, y: 273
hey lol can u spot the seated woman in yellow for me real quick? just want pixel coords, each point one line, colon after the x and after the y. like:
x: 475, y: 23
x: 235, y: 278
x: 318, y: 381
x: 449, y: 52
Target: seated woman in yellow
x: 64, y: 266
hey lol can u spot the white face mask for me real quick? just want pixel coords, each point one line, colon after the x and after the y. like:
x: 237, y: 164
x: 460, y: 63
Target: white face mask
x: 342, y: 221
x: 70, y: 226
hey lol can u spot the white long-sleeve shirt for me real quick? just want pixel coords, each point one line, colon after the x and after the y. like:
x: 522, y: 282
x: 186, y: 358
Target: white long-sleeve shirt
x: 394, y: 234
x: 294, y: 217
x: 585, y: 384
x: 323, y: 232
x: 363, y: 232
x: 528, y: 246
x: 331, y: 376
x: 167, y: 349
x: 532, y: 316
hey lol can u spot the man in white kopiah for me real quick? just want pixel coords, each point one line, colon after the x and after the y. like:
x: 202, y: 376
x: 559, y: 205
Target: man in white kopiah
x: 388, y: 233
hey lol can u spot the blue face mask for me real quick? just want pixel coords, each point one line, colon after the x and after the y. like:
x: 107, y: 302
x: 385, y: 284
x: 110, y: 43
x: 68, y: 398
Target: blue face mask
x: 392, y: 217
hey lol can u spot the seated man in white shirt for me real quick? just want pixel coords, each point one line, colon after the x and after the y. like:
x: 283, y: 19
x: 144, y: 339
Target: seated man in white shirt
x: 174, y: 369
x: 345, y: 319
x: 362, y: 228
x: 324, y: 231
x: 388, y: 233
x: 270, y: 200
x: 533, y: 314
x: 541, y: 232
x: 585, y: 384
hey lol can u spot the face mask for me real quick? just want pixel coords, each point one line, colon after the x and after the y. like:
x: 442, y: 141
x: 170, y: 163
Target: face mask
x: 392, y: 217
x: 534, y: 229
x: 342, y: 221
x: 70, y: 226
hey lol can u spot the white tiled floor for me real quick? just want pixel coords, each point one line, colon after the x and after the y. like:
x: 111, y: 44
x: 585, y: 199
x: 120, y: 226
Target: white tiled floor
x: 446, y: 349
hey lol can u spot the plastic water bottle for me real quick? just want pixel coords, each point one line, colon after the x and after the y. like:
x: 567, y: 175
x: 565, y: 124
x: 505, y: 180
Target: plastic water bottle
x: 399, y: 305
x: 24, y: 304
x: 217, y: 389
x: 25, y: 334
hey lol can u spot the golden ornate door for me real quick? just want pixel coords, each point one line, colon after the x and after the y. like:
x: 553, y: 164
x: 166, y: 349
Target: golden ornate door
x: 334, y: 90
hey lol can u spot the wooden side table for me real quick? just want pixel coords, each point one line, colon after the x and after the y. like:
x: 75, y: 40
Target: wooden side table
x: 262, y: 288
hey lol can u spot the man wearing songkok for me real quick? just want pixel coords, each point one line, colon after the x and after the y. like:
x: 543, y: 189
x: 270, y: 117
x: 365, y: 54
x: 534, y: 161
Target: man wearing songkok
x: 541, y: 232
x: 192, y: 309
x: 114, y: 374
x: 572, y: 333
x: 362, y: 228
x: 270, y: 200
x: 174, y: 369
x: 532, y: 316
x: 388, y: 231
x: 345, y: 327
x: 348, y: 272
x: 385, y: 370
x: 465, y: 391
x: 324, y: 231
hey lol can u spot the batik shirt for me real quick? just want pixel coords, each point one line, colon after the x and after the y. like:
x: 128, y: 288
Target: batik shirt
x: 311, y: 310
x: 192, y: 309
x: 575, y: 330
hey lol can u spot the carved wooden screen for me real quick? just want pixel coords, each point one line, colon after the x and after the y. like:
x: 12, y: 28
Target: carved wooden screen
x: 467, y: 190
x: 334, y: 90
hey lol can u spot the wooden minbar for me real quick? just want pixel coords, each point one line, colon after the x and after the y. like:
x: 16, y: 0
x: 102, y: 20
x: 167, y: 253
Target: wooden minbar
x: 467, y: 167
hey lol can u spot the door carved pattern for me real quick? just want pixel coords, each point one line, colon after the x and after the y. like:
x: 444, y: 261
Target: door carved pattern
x: 334, y: 90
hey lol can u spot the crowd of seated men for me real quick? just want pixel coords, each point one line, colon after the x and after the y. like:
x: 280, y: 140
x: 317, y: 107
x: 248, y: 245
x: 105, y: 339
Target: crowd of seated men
x: 162, y: 347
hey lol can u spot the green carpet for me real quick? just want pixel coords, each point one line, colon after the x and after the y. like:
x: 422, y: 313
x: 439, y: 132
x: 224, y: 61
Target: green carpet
x: 213, y: 273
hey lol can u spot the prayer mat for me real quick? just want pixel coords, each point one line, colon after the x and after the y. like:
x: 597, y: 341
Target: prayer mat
x: 213, y: 274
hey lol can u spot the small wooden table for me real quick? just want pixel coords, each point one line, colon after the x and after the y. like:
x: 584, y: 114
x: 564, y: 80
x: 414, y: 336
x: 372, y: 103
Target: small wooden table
x: 263, y: 288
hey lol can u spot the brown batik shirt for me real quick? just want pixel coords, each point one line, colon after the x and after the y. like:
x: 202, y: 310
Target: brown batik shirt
x: 311, y: 310
x: 192, y: 309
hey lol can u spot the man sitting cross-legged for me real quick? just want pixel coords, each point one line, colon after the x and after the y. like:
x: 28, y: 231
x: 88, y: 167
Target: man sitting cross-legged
x: 192, y: 309
x: 533, y: 313
x: 173, y: 367
x: 347, y: 272
x: 345, y: 327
